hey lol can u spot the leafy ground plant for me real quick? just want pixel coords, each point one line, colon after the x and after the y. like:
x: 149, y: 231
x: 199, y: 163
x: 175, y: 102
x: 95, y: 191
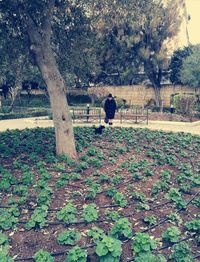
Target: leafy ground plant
x: 122, y: 228
x: 143, y: 244
x: 96, y: 233
x: 109, y: 187
x: 171, y: 235
x: 76, y: 254
x: 150, y: 220
x: 38, y: 218
x: 181, y: 252
x: 120, y: 199
x: 67, y: 214
x: 4, y: 257
x: 68, y: 237
x: 42, y: 255
x: 109, y: 249
x: 90, y: 213
x: 113, y: 215
x: 193, y: 225
x: 8, y: 218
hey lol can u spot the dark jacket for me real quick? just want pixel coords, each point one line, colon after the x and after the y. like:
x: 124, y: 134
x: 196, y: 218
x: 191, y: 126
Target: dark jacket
x: 110, y: 108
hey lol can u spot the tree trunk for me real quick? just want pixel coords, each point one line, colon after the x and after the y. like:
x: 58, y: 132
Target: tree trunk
x: 155, y: 76
x: 15, y: 91
x: 40, y: 39
x: 157, y: 95
x: 65, y: 143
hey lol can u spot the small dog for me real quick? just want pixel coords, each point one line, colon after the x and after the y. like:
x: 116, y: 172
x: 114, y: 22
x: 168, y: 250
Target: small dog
x: 98, y: 130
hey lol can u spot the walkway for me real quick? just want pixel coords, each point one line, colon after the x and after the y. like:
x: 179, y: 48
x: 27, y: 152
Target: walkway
x: 193, y: 128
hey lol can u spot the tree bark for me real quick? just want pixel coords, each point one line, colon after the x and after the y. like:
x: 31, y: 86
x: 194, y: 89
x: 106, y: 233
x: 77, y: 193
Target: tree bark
x: 40, y: 39
x: 157, y: 95
x: 155, y: 76
x: 65, y: 143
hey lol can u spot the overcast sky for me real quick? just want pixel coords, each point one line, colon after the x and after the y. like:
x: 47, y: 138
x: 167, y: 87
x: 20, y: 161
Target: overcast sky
x: 193, y: 8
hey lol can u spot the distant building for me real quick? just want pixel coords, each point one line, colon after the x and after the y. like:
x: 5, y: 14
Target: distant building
x: 182, y: 38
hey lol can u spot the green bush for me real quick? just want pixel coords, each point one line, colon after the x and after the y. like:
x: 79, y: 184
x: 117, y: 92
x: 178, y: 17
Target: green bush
x: 27, y: 113
x: 34, y: 100
x: 121, y: 103
x: 78, y: 99
x: 184, y: 104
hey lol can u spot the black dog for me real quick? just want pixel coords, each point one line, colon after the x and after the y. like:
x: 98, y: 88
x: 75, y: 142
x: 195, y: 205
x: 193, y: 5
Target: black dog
x: 98, y: 130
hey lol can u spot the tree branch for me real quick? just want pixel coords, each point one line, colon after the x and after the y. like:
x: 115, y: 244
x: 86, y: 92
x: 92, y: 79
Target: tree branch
x: 46, y: 26
x: 32, y: 30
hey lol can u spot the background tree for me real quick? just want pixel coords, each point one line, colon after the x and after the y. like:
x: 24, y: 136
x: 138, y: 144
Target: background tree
x: 13, y: 54
x: 137, y: 30
x: 190, y: 70
x: 176, y: 64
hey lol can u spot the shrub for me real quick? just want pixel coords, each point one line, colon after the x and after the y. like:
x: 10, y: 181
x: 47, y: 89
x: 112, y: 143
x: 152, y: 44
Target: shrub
x: 26, y: 114
x: 73, y: 98
x: 121, y: 103
x: 184, y: 104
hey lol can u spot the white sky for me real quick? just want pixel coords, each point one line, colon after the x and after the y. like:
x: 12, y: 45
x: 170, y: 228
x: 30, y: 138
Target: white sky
x: 193, y: 9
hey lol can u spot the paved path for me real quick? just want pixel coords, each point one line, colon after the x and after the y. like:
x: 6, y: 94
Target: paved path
x: 193, y: 128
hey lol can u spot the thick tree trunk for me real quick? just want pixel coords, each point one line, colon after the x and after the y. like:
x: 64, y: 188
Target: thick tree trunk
x: 157, y: 95
x: 65, y: 143
x: 40, y: 39
x: 155, y: 76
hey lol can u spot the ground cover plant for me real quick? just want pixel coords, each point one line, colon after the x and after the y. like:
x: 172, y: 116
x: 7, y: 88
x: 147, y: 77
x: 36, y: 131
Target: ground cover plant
x: 132, y: 196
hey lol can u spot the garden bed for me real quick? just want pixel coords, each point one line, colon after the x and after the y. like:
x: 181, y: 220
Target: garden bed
x: 133, y: 196
x: 156, y: 116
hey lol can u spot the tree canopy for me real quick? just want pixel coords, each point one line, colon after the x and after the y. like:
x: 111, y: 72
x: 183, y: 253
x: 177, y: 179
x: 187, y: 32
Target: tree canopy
x: 176, y: 64
x: 189, y: 73
x: 102, y: 41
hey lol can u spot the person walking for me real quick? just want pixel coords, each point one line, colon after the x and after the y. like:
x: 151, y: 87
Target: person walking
x: 110, y: 108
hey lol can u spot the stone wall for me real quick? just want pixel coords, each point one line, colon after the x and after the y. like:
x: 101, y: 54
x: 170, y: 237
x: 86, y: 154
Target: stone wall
x: 141, y: 95
x: 135, y: 94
